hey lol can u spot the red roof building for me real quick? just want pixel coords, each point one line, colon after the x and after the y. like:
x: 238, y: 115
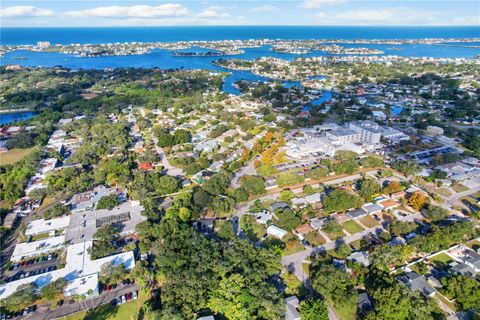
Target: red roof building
x: 147, y: 166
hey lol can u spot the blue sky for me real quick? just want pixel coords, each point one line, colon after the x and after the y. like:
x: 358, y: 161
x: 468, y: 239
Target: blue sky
x: 18, y: 13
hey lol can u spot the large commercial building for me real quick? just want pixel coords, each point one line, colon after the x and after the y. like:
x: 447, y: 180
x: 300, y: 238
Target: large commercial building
x: 327, y: 139
x: 77, y: 234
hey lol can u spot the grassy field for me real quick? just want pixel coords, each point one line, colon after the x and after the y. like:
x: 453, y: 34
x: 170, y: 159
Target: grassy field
x: 109, y: 312
x: 369, y: 222
x: 352, y: 227
x: 13, y: 155
x: 314, y: 238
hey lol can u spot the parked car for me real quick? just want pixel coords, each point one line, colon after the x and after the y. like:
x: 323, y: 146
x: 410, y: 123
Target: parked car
x: 134, y: 295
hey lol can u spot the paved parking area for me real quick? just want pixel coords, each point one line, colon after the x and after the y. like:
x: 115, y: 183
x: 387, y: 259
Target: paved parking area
x: 33, y: 267
x: 69, y: 307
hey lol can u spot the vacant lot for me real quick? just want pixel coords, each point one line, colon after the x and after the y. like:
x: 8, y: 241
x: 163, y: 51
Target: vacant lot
x: 352, y: 227
x: 334, y: 235
x: 369, y: 222
x: 314, y: 238
x: 13, y: 155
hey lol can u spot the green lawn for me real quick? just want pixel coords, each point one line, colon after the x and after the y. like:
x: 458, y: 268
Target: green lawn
x: 369, y: 222
x: 314, y: 238
x: 297, y: 248
x: 356, y: 245
x: 13, y: 155
x: 457, y: 187
x: 346, y: 312
x: 474, y: 244
x: 476, y: 195
x: 306, y: 268
x: 335, y: 235
x: 352, y: 227
x: 39, y: 236
x: 441, y: 260
x: 444, y: 192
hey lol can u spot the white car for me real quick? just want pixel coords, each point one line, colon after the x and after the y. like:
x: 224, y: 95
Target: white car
x: 134, y: 295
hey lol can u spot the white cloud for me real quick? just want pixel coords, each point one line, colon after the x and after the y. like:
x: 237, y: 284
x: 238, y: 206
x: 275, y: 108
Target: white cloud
x: 390, y: 16
x: 214, y: 12
x: 24, y: 12
x: 264, y: 8
x: 311, y: 4
x: 321, y: 15
x: 137, y: 11
x: 467, y: 21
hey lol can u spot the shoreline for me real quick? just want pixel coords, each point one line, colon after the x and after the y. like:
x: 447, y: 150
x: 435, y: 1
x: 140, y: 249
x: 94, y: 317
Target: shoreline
x: 10, y: 111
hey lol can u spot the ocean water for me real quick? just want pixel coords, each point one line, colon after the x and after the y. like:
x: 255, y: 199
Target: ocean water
x: 187, y: 33
x: 165, y: 60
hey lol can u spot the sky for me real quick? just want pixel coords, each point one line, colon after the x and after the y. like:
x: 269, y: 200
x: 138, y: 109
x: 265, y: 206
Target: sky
x: 87, y: 13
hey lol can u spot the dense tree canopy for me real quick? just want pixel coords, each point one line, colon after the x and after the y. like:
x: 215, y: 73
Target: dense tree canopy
x: 341, y: 200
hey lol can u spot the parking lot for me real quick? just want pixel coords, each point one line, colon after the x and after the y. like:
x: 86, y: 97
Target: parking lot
x: 69, y: 306
x: 32, y: 267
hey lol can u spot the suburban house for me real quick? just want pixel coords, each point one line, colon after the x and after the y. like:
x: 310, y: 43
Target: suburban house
x: 317, y: 223
x: 372, y: 208
x: 357, y: 213
x: 415, y: 282
x: 292, y: 304
x: 360, y: 257
x: 276, y: 232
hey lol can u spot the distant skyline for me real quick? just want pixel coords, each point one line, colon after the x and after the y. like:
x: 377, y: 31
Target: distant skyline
x: 86, y: 13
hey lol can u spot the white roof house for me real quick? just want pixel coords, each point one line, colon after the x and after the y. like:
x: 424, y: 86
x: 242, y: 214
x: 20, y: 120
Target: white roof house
x: 26, y: 250
x: 298, y: 202
x: 263, y: 216
x: 44, y: 226
x: 372, y: 208
x: 276, y: 232
x: 317, y: 223
x: 360, y: 257
x: 313, y: 198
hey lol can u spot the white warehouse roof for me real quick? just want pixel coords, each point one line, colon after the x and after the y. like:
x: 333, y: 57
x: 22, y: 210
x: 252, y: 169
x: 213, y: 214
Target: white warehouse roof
x: 36, y: 248
x: 44, y: 226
